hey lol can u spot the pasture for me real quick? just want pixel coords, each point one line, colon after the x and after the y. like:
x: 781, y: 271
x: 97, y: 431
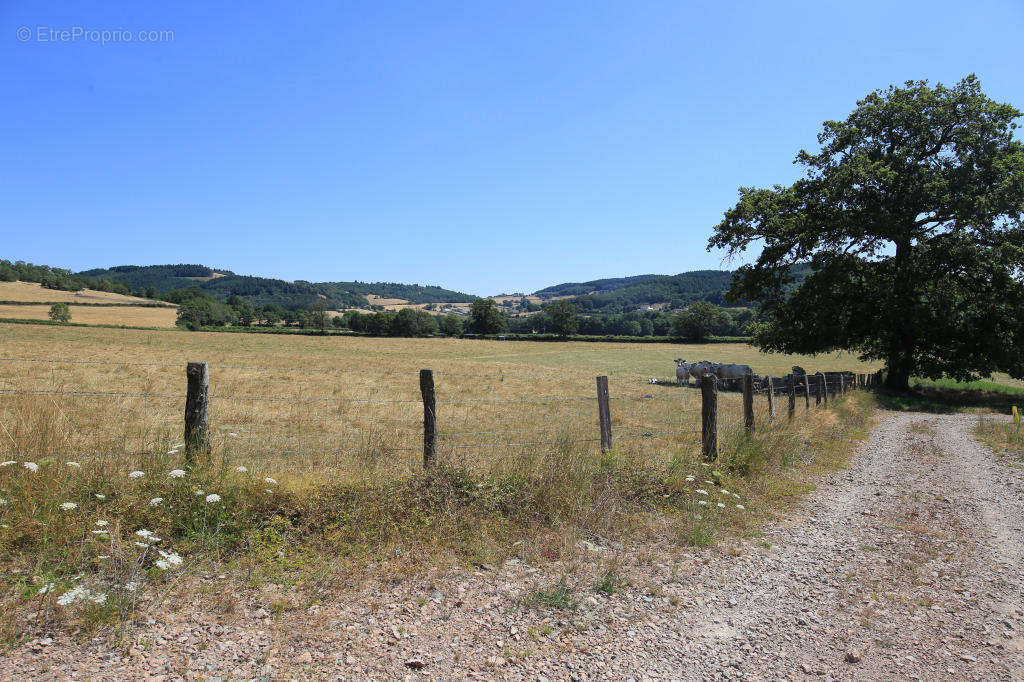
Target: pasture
x: 345, y: 408
x: 124, y: 315
x: 31, y: 291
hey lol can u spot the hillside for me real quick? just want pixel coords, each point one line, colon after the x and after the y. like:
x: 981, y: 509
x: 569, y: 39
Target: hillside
x: 621, y: 294
x: 221, y: 284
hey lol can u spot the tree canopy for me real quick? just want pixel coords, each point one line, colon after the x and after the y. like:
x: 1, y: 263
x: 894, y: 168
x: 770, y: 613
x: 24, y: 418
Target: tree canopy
x: 910, y: 217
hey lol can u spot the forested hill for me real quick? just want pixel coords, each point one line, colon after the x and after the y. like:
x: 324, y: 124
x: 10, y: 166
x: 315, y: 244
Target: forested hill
x: 621, y: 294
x: 164, y: 279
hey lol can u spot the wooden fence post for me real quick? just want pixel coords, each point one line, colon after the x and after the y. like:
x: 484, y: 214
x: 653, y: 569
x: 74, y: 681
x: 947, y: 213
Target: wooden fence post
x: 807, y: 392
x: 842, y: 383
x: 604, y: 413
x: 819, y: 388
x: 197, y: 410
x: 790, y: 396
x: 429, y: 418
x: 748, y: 402
x: 825, y: 388
x: 709, y: 416
x: 771, y: 397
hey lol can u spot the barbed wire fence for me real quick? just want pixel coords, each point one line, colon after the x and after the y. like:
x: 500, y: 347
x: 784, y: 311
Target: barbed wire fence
x: 766, y: 393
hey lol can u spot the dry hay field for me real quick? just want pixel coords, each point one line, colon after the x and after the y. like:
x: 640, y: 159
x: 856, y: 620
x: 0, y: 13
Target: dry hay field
x: 128, y: 311
x: 30, y: 292
x: 348, y: 409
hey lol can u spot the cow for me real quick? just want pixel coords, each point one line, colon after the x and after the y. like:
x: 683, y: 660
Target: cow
x: 682, y: 372
x: 731, y: 375
x: 699, y: 369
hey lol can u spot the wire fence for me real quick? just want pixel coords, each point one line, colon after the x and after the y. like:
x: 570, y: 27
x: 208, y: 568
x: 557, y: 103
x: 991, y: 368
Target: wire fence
x: 377, y: 421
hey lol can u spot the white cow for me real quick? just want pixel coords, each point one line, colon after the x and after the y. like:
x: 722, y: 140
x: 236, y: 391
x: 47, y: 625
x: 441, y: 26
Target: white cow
x: 699, y: 369
x: 682, y: 372
x: 726, y: 372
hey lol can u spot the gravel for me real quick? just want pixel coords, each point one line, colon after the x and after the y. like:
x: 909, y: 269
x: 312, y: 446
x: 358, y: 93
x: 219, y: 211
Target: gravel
x: 907, y: 565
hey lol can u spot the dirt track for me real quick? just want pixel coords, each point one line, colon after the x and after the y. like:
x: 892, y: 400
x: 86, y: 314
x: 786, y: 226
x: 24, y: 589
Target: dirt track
x: 908, y: 565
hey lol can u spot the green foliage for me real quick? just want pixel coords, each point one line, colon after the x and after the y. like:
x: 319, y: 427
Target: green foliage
x: 624, y: 294
x: 699, y: 321
x: 911, y: 218
x: 451, y: 325
x: 198, y: 309
x: 562, y: 314
x: 485, y: 317
x: 59, y: 312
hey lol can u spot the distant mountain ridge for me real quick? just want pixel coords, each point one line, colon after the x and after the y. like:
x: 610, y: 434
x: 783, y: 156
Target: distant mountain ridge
x: 221, y: 284
x: 620, y: 294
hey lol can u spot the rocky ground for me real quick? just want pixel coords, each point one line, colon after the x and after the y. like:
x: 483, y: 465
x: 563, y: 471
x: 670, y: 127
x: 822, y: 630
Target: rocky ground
x: 908, y: 565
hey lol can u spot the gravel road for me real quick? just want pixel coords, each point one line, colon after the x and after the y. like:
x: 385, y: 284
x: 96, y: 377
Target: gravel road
x: 907, y: 565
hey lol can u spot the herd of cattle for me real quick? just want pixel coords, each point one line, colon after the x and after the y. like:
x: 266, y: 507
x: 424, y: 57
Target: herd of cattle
x: 730, y: 376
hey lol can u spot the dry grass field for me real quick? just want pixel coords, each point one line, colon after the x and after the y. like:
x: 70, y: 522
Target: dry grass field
x: 30, y: 291
x: 316, y: 465
x: 131, y: 316
x: 349, y: 408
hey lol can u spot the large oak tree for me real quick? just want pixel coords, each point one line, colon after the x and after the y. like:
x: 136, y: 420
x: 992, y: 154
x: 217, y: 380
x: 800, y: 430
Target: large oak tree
x: 910, y: 217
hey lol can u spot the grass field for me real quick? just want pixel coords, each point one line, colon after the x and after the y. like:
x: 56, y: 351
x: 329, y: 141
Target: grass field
x: 316, y: 463
x: 130, y: 316
x: 295, y: 409
x: 29, y: 291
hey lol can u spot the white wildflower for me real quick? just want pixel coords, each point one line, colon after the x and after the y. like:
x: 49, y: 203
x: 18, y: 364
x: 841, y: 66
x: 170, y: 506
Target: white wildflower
x: 72, y: 595
x: 100, y: 497
x: 48, y: 587
x: 103, y: 557
x: 68, y: 506
x: 178, y: 445
x: 701, y: 491
x: 689, y: 479
x: 724, y: 491
x: 270, y: 481
x: 172, y: 452
x: 213, y: 497
x: 709, y: 482
x: 2, y: 501
x: 721, y: 505
x: 162, y: 564
x: 8, y: 463
x: 137, y: 474
x: 736, y: 496
x: 702, y: 503
x: 101, y: 531
x: 132, y: 586
x: 704, y: 464
x: 241, y: 469
x: 268, y: 490
x: 74, y: 465
x: 147, y: 535
x: 740, y: 506
x: 173, y: 558
x: 32, y: 466
x: 200, y: 492
x: 156, y: 501
x: 177, y: 473
x: 97, y: 597
x: 102, y: 523
x: 141, y: 544
x: 232, y: 435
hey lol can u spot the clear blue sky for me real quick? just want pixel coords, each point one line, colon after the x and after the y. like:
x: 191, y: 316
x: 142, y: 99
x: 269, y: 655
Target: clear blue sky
x: 482, y: 146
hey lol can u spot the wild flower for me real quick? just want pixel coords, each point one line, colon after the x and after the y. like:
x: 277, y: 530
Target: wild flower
x: 701, y: 491
x: 241, y: 469
x: 103, y: 557
x: 137, y: 474
x: 173, y: 558
x: 156, y: 501
x: 268, y: 490
x: 101, y: 531
x: 721, y: 506
x: 102, y: 522
x: 702, y: 503
x: 270, y: 481
x: 172, y: 452
x: 179, y: 445
x: 141, y: 544
x: 79, y: 593
x: 162, y: 564
x: 725, y: 492
x: 2, y: 501
x: 735, y: 495
x: 740, y: 506
x: 32, y: 466
x: 132, y: 586
x: 147, y: 535
x: 709, y: 482
x: 68, y: 506
x: 213, y: 497
x: 48, y: 587
x: 8, y: 463
x: 100, y: 496
x: 74, y: 465
x: 689, y: 479
x: 177, y: 473
x: 200, y: 492
x: 232, y: 435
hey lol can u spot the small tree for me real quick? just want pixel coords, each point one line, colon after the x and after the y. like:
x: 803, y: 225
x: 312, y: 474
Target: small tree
x: 699, y: 321
x: 60, y: 312
x: 562, y: 314
x: 451, y: 325
x: 486, y: 318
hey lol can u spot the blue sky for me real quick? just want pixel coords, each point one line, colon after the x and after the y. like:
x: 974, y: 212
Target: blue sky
x: 486, y: 147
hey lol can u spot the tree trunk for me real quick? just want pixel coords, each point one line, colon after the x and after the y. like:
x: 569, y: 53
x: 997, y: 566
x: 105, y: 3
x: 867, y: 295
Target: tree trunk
x: 900, y: 362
